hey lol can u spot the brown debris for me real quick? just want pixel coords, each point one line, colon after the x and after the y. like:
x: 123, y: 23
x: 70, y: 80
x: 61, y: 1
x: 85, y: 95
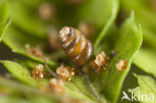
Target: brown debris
x: 122, y: 65
x: 53, y: 40
x: 46, y: 11
x: 37, y: 73
x: 57, y: 86
x: 65, y: 73
x: 100, y: 61
x: 35, y: 51
x: 86, y: 29
x: 85, y: 69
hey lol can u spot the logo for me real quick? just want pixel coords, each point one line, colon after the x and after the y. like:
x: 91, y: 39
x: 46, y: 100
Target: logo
x: 137, y: 96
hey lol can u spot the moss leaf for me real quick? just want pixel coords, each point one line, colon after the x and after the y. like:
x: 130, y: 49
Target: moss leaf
x: 147, y: 86
x: 21, y: 73
x: 145, y: 15
x: 108, y: 24
x: 3, y: 19
x: 108, y: 83
x: 17, y: 40
x: 26, y: 20
x: 101, y: 14
x: 145, y: 59
x: 128, y: 42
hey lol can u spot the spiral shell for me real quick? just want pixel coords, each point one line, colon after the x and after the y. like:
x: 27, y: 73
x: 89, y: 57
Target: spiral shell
x: 76, y: 46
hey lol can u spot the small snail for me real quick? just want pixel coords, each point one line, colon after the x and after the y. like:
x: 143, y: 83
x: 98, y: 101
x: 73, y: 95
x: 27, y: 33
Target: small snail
x: 76, y: 46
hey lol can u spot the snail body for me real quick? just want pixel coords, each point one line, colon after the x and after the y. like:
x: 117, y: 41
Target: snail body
x: 76, y: 46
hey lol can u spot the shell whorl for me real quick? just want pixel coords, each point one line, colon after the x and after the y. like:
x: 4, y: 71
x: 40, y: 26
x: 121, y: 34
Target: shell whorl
x: 76, y: 46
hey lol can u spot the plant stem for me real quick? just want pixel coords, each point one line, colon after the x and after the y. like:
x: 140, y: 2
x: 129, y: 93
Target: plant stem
x: 49, y: 70
x: 86, y: 78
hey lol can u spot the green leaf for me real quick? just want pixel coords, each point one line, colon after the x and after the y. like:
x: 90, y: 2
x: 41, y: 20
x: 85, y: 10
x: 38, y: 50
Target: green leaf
x: 3, y: 12
x: 147, y: 86
x: 22, y: 73
x: 17, y: 40
x: 102, y: 17
x: 108, y: 24
x: 3, y: 19
x: 146, y: 60
x: 99, y: 12
x: 149, y: 38
x: 145, y: 16
x: 129, y: 41
x: 26, y: 20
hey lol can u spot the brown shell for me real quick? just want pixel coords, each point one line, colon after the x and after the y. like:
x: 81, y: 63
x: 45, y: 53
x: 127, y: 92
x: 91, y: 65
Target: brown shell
x: 76, y: 46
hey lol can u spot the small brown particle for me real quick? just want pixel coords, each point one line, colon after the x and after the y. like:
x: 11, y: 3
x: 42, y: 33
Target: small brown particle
x: 121, y: 65
x: 27, y: 46
x: 53, y: 40
x: 37, y: 73
x: 86, y: 29
x: 57, y: 86
x: 46, y: 11
x: 65, y: 72
x: 85, y: 69
x: 100, y: 61
x: 113, y: 54
x: 35, y: 51
x: 153, y: 5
